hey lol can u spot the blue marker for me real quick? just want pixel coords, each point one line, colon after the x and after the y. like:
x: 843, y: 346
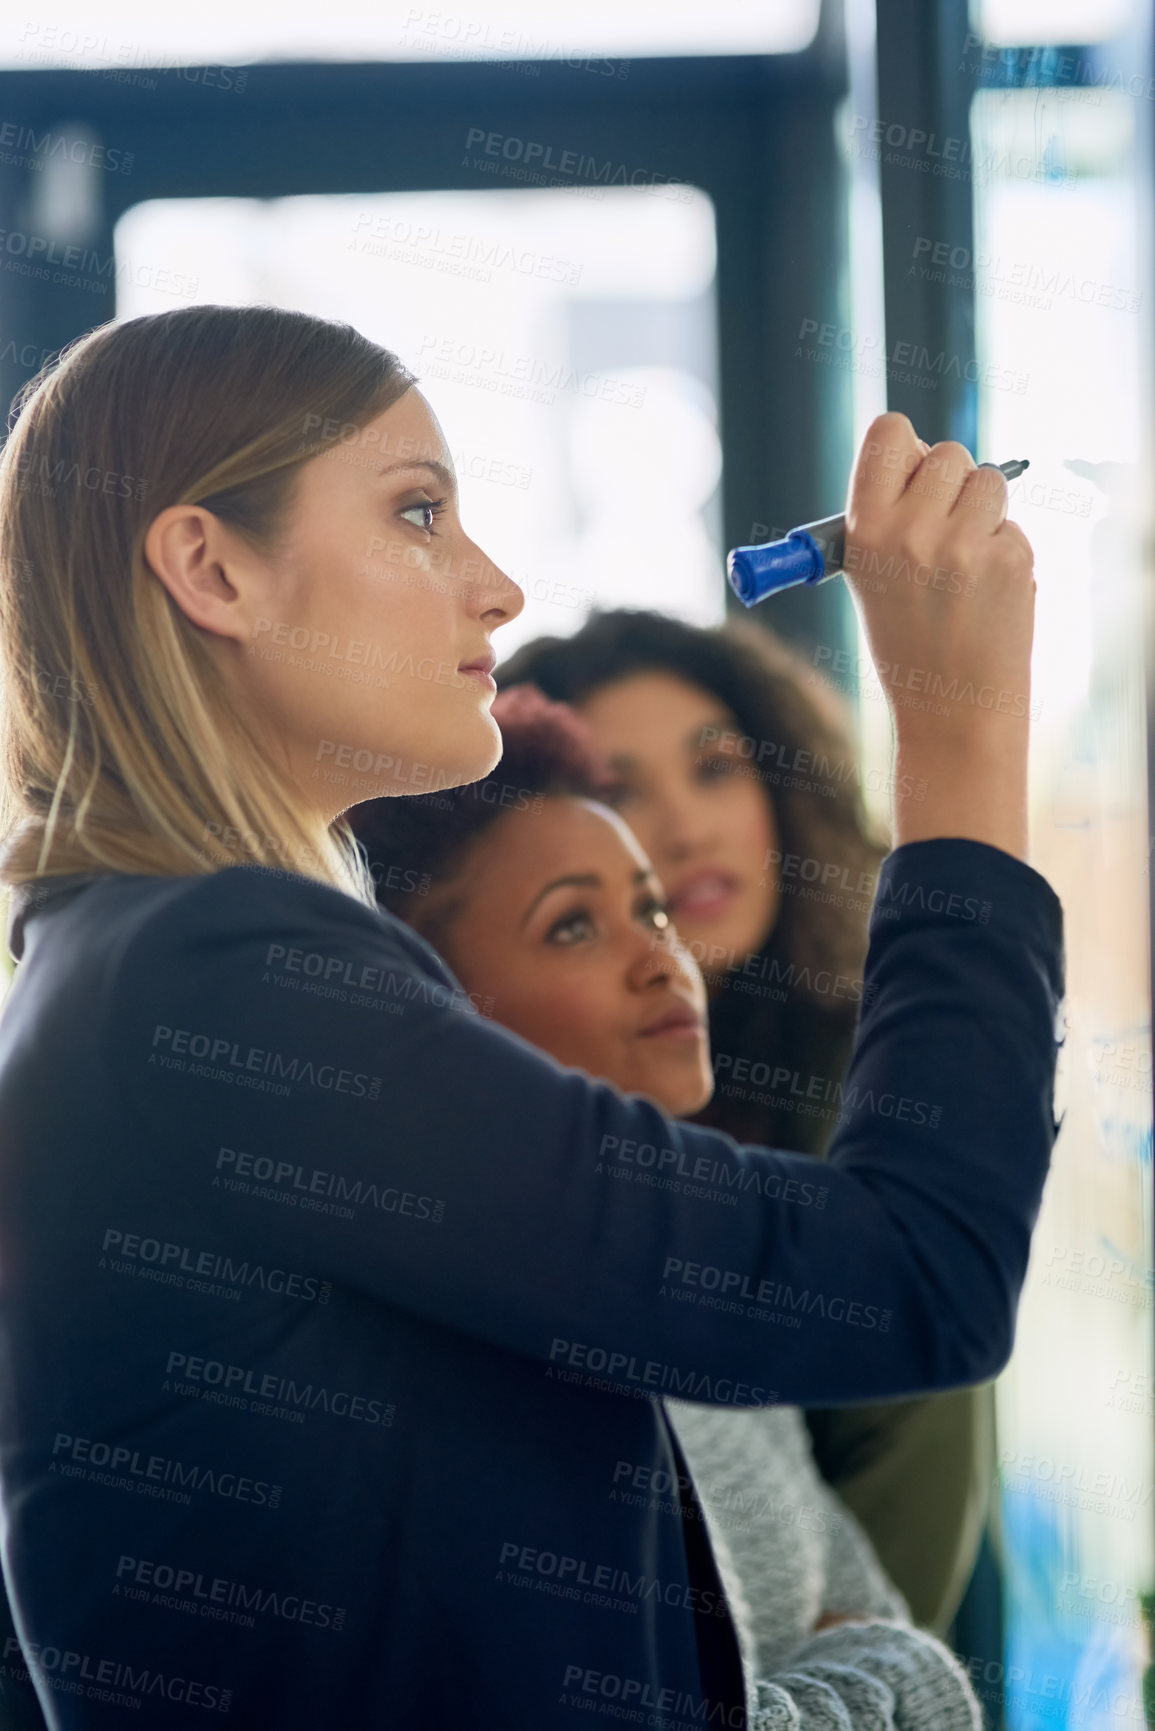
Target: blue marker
x: 810, y: 554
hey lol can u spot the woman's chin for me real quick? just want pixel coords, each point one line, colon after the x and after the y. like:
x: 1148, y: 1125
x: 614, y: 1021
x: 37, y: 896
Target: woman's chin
x: 474, y: 750
x: 679, y: 1077
x: 467, y: 768
x: 678, y: 1097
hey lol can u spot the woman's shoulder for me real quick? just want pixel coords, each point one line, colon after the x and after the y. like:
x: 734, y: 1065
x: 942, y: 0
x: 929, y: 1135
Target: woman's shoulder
x: 125, y: 913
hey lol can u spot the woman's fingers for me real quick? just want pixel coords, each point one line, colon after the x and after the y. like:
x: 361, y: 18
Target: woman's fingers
x: 888, y: 456
x: 982, y: 500
x: 934, y: 487
x: 927, y: 533
x: 898, y: 470
x: 1009, y: 561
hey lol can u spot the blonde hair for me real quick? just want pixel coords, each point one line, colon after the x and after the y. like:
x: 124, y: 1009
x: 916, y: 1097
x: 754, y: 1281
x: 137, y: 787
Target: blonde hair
x: 120, y: 748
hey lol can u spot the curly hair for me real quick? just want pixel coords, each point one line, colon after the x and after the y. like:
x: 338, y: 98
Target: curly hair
x: 416, y: 842
x: 796, y: 736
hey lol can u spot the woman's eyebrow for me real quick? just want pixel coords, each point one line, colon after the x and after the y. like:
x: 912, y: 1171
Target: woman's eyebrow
x: 582, y: 880
x: 445, y: 476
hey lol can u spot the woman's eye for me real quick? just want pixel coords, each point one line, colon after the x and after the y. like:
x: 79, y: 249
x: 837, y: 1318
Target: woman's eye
x: 620, y: 794
x: 430, y: 510
x: 571, y: 928
x: 714, y: 768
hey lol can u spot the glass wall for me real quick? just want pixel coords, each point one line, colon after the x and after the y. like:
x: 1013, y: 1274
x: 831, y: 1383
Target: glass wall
x: 1061, y: 272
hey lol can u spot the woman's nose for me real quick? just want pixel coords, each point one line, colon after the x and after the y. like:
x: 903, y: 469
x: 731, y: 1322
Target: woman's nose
x: 680, y: 829
x: 488, y: 592
x: 652, y: 959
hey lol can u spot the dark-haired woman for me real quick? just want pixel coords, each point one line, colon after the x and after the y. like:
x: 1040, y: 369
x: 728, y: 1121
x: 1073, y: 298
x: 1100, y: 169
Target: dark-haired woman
x: 738, y: 774
x: 309, y: 1285
x: 547, y: 910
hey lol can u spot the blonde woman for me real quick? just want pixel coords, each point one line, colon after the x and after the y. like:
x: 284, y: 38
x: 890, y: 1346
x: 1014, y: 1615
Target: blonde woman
x: 320, y: 1327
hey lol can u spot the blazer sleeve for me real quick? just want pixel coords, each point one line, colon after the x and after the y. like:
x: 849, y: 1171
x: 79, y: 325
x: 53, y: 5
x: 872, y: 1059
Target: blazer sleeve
x: 443, y: 1165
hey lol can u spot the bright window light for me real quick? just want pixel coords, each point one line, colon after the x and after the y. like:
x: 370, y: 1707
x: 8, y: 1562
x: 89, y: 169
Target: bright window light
x: 139, y: 33
x: 1024, y: 23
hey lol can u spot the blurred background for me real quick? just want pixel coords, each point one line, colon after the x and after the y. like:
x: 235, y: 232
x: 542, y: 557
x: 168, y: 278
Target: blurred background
x: 657, y: 266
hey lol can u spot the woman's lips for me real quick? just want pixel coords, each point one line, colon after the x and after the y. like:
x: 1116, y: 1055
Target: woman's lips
x: 675, y: 1025
x: 481, y: 668
x: 704, y: 894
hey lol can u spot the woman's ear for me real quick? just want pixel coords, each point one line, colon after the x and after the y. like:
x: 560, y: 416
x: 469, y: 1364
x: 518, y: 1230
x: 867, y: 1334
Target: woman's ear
x: 192, y: 553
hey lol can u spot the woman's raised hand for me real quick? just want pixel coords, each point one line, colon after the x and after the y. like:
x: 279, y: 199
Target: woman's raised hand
x: 945, y: 589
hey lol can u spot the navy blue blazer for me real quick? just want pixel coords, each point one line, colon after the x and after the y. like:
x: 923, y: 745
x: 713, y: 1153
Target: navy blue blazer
x: 335, y: 1320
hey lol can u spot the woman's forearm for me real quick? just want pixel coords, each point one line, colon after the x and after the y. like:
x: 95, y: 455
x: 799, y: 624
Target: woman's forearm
x: 973, y: 787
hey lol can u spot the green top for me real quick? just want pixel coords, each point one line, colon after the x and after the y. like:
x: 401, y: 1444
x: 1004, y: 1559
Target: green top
x: 917, y: 1473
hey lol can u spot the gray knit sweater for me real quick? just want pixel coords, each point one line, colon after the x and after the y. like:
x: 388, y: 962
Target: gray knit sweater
x: 789, y: 1552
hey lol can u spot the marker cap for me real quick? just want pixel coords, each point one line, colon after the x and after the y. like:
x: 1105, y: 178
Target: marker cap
x: 755, y: 572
